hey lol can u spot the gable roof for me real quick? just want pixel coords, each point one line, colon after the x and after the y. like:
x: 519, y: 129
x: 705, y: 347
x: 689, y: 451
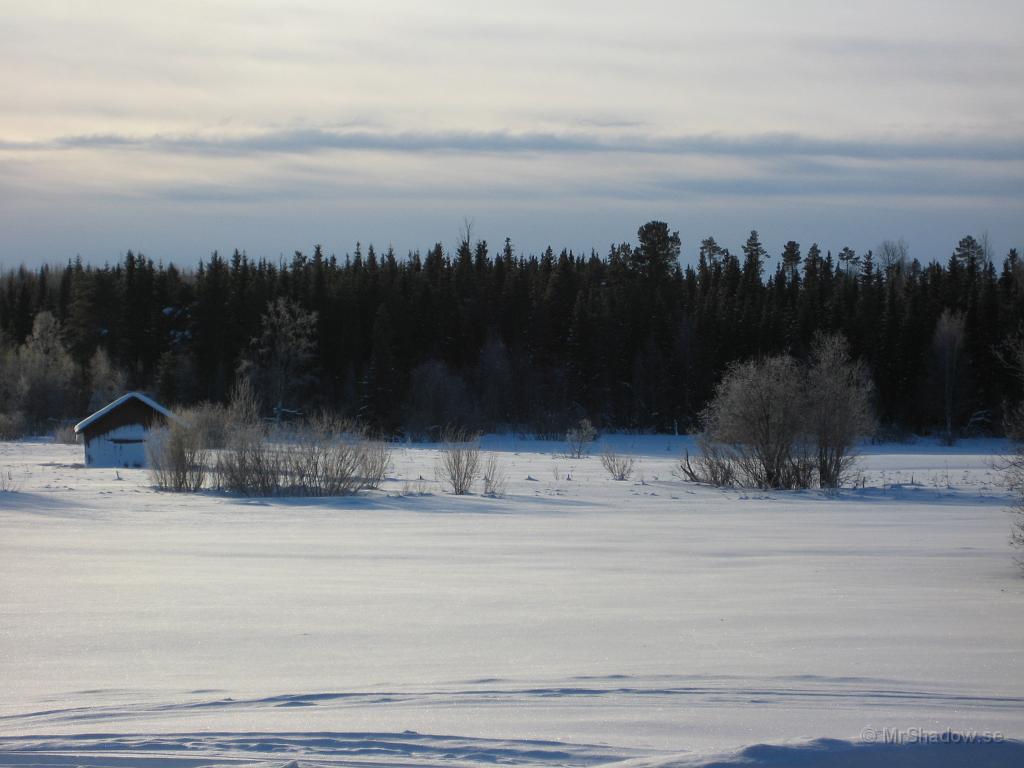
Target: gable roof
x: 118, y: 403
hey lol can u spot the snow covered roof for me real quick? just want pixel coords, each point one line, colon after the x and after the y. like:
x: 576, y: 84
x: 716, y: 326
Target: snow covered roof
x: 118, y: 403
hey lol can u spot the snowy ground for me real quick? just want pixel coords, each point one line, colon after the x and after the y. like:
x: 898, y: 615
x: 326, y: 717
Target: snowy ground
x: 578, y: 621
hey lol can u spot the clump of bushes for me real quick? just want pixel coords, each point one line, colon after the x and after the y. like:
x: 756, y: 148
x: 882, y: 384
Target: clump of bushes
x: 458, y: 465
x: 776, y: 423
x: 177, y: 458
x: 248, y: 464
x: 315, y: 462
x: 232, y: 451
x: 310, y: 459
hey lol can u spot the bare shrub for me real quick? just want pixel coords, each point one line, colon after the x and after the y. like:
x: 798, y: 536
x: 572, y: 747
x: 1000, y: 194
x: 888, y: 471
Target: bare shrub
x: 7, y: 483
x: 315, y: 462
x: 374, y: 462
x: 801, y: 471
x: 248, y: 465
x: 580, y: 438
x: 177, y: 458
x: 458, y: 466
x: 713, y: 465
x: 374, y: 453
x: 618, y: 466
x: 311, y: 459
x: 495, y: 477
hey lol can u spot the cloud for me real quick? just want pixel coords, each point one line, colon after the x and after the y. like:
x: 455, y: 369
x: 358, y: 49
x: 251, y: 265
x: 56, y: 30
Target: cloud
x: 762, y: 146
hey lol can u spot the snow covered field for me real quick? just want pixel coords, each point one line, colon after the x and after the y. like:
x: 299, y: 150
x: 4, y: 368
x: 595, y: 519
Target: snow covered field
x: 578, y: 621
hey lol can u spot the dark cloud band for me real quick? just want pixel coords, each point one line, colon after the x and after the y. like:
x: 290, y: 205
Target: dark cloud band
x: 761, y: 146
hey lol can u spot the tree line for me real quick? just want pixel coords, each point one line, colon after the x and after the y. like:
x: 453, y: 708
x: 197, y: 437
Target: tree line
x: 631, y: 339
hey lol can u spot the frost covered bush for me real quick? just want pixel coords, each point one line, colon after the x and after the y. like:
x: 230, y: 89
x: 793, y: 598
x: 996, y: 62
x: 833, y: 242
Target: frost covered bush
x: 580, y: 438
x: 374, y: 462
x: 756, y: 417
x: 39, y: 379
x: 618, y: 466
x: 775, y: 423
x: 837, y: 397
x: 209, y: 421
x: 311, y: 459
x: 319, y: 463
x: 248, y: 465
x: 177, y: 458
x: 495, y: 477
x: 458, y: 466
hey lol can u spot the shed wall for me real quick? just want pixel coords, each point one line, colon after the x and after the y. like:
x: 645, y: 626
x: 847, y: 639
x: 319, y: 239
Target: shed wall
x: 118, y: 439
x: 121, y: 447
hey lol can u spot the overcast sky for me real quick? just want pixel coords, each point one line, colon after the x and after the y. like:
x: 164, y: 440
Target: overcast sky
x: 179, y: 128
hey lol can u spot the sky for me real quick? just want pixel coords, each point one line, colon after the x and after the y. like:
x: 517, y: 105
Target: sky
x: 179, y: 128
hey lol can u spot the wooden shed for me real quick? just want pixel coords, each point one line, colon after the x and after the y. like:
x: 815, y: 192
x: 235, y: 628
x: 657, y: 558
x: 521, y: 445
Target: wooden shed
x: 115, y: 436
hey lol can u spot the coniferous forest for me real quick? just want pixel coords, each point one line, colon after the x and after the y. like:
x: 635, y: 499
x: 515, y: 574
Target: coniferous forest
x: 491, y: 339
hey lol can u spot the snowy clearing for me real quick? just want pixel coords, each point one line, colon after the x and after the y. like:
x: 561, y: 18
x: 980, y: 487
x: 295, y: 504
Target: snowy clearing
x: 576, y: 621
